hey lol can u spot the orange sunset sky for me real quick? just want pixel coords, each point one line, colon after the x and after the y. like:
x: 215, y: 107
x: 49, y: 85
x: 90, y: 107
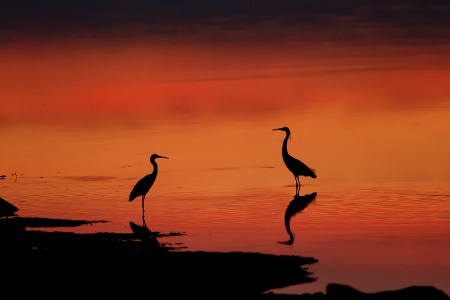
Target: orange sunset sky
x: 111, y: 58
x: 80, y: 62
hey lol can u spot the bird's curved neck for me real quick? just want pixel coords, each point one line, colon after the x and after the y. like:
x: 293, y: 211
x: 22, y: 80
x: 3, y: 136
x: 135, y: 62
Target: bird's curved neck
x: 284, y: 149
x: 155, y: 166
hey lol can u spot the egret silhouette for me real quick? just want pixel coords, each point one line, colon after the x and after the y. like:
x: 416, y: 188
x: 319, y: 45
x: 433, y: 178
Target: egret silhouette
x: 298, y: 204
x: 297, y: 167
x: 145, y: 183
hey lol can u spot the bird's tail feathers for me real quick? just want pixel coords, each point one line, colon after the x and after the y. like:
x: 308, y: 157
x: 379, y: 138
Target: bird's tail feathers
x: 313, y: 175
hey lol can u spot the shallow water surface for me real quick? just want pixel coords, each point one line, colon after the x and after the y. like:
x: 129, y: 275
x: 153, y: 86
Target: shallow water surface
x: 372, y: 232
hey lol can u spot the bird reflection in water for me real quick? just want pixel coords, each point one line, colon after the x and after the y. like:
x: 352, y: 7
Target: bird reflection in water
x: 298, y: 204
x: 7, y: 209
x: 144, y: 234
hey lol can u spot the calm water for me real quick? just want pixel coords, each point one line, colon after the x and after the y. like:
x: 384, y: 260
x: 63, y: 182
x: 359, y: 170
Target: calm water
x: 80, y: 117
x: 373, y: 225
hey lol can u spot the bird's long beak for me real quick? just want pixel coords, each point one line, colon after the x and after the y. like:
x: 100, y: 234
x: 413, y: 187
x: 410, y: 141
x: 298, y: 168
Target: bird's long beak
x: 276, y: 129
x: 159, y: 156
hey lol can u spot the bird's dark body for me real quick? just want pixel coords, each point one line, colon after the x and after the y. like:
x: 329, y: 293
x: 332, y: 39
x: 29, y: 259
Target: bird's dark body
x: 297, y: 167
x: 142, y: 186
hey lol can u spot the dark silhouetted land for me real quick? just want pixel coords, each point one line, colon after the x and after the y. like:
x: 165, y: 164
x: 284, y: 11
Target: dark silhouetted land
x: 61, y: 264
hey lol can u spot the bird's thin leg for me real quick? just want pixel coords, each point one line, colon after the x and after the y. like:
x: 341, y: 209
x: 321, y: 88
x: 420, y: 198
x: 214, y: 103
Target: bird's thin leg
x: 143, y: 217
x: 297, y: 185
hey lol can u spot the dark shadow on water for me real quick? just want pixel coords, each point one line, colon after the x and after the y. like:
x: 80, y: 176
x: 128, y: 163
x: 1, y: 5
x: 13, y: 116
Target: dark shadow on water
x: 298, y: 204
x: 22, y: 233
x: 149, y: 239
x: 146, y: 236
x: 104, y: 264
x: 7, y: 209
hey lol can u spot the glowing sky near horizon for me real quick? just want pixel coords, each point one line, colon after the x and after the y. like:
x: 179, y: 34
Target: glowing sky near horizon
x: 230, y: 63
x: 85, y: 60
x: 94, y: 76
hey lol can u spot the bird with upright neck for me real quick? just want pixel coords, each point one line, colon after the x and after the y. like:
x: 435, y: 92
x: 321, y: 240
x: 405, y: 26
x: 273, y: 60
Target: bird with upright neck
x: 297, y: 167
x: 145, y: 183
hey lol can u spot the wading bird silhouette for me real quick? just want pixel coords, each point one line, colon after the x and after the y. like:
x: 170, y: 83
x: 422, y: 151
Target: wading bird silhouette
x: 298, y: 204
x: 294, y: 165
x: 145, y: 183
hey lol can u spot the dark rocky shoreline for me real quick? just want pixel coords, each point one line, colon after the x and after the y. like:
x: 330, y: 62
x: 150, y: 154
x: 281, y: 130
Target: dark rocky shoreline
x: 135, y: 264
